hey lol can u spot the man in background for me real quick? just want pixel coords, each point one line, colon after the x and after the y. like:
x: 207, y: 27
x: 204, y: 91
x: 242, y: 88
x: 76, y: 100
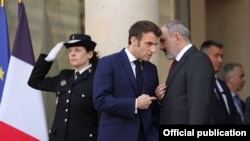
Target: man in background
x: 225, y: 110
x: 234, y: 76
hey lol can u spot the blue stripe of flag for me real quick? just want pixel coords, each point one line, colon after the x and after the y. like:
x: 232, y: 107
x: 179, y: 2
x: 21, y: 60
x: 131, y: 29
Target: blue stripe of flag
x: 4, y: 49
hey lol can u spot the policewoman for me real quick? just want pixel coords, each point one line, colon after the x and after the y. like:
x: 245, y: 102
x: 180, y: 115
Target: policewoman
x: 76, y: 118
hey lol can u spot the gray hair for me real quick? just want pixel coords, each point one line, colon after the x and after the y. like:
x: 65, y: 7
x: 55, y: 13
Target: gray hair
x: 179, y: 27
x: 227, y: 69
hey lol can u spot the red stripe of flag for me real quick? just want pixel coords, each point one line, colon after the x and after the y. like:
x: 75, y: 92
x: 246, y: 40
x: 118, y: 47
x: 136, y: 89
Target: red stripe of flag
x: 10, y: 133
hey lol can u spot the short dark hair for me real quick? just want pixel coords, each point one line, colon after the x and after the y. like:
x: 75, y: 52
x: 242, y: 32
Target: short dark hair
x: 208, y: 43
x: 143, y: 26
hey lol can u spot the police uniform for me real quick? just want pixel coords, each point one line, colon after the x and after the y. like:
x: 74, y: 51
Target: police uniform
x: 76, y: 118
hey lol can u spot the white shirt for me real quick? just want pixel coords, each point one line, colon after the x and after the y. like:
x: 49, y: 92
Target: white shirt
x: 182, y: 52
x: 81, y: 71
x: 222, y: 93
x: 131, y: 59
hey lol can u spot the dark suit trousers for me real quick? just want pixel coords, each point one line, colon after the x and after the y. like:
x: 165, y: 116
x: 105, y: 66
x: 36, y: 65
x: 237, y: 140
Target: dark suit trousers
x: 142, y: 135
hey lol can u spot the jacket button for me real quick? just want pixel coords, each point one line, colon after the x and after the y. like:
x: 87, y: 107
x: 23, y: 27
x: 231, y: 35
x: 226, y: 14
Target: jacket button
x: 66, y: 110
x: 67, y: 101
x: 90, y: 135
x: 83, y: 95
x: 65, y: 120
x: 69, y: 91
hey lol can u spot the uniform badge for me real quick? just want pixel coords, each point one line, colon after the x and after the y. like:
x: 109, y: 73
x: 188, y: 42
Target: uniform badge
x: 63, y: 83
x: 90, y: 70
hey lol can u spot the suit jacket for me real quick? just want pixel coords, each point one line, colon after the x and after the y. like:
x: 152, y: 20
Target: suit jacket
x: 115, y: 92
x: 188, y: 98
x: 75, y: 118
x: 222, y: 116
x: 247, y: 110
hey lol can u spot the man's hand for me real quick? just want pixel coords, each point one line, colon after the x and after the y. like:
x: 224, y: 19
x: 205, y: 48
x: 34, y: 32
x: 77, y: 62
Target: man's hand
x: 160, y: 91
x: 144, y: 101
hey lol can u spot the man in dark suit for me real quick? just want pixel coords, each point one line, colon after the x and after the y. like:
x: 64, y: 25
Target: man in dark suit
x: 225, y: 110
x: 234, y: 76
x: 186, y: 97
x: 247, y: 111
x: 129, y: 110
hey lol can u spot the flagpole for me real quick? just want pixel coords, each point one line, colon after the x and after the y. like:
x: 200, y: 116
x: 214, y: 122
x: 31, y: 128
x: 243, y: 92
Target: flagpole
x: 2, y: 3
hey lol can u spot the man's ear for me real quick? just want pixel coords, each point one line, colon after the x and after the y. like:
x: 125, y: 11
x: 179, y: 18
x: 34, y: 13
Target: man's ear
x: 133, y: 40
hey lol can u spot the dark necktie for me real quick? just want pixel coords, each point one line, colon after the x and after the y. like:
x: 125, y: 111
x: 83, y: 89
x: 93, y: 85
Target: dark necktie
x: 139, y: 81
x: 77, y: 75
x: 138, y: 73
x: 172, y: 67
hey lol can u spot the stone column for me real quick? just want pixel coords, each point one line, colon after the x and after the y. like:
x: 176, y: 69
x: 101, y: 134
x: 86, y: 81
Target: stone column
x: 108, y: 22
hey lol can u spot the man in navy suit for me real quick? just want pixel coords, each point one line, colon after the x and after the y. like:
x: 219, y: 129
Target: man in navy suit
x: 129, y: 112
x: 225, y: 110
x: 186, y: 97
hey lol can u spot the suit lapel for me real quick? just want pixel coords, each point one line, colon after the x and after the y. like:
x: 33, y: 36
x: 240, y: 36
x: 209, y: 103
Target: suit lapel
x: 127, y: 67
x: 180, y: 63
x: 220, y: 99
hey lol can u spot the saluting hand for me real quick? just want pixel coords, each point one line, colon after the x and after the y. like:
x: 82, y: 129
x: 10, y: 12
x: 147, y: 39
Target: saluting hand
x: 54, y: 51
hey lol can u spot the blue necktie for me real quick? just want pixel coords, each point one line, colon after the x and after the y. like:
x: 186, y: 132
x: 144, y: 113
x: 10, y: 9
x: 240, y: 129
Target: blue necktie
x: 240, y: 109
x: 238, y: 102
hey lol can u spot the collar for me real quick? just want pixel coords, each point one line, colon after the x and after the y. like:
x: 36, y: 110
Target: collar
x: 131, y: 57
x: 81, y: 71
x: 218, y: 85
x: 182, y: 52
x: 233, y: 94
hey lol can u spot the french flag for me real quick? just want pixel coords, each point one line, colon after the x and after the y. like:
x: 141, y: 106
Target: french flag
x: 22, y: 115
